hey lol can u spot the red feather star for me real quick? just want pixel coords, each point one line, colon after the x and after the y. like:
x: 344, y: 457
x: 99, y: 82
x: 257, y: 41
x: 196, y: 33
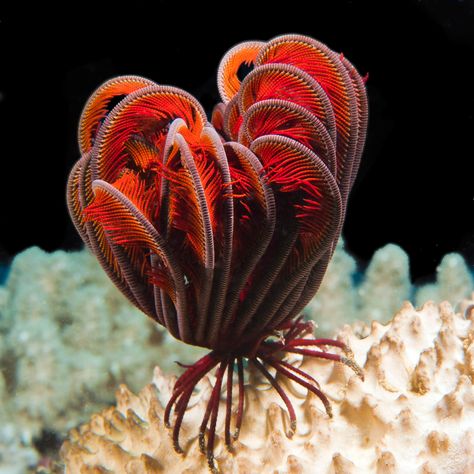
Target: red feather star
x: 222, y: 232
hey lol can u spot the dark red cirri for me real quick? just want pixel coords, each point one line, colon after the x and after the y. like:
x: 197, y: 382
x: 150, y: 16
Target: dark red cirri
x: 221, y: 232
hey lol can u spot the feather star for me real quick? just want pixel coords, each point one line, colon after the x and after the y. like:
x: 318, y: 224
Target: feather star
x: 221, y: 232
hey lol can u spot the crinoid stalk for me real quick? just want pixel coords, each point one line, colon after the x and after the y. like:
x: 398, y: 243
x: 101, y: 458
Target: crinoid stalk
x: 221, y: 232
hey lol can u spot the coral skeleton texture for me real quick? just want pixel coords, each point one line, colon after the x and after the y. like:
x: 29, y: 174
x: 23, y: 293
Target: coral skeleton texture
x: 414, y: 412
x: 44, y: 334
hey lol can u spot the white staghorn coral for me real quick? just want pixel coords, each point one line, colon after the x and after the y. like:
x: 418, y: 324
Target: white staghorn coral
x: 414, y: 412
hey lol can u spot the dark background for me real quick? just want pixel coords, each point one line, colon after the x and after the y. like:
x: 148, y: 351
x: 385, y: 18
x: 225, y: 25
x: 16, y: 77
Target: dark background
x: 415, y: 186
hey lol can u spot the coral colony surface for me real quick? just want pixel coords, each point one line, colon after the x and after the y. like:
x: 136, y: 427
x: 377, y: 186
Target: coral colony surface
x: 414, y: 413
x: 170, y: 205
x: 59, y: 312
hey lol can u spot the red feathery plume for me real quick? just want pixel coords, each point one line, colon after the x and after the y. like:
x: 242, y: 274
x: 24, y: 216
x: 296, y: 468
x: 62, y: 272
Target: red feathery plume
x: 222, y: 232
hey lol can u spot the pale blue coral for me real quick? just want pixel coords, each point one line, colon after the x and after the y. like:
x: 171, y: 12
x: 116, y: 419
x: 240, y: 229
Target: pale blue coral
x: 68, y: 337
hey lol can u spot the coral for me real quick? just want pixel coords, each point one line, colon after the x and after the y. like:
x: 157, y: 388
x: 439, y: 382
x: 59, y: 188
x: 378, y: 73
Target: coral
x: 348, y: 293
x: 16, y: 453
x: 413, y: 413
x: 4, y: 324
x: 338, y: 280
x: 63, y: 301
x: 61, y: 312
x: 454, y: 281
x: 386, y: 283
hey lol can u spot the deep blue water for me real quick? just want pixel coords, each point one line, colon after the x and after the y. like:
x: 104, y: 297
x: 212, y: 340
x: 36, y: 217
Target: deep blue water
x: 4, y: 271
